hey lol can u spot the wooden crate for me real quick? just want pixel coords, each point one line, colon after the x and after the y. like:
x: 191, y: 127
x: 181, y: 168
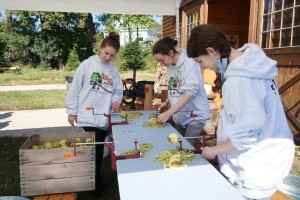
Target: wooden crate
x: 50, y: 171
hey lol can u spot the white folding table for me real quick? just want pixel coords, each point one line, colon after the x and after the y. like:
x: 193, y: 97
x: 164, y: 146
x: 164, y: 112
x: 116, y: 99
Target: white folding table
x: 145, y: 179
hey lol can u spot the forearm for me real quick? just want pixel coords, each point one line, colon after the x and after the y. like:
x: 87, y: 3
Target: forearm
x: 185, y: 99
x: 223, y: 148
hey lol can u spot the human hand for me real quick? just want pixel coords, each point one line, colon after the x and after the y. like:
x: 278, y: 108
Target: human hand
x: 208, y: 153
x: 164, y: 117
x: 158, y: 106
x: 72, y: 119
x: 115, y: 106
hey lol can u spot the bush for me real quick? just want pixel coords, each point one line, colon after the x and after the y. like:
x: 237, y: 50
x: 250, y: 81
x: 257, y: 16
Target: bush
x: 119, y: 61
x: 151, y: 63
x: 133, y: 54
x: 73, y: 60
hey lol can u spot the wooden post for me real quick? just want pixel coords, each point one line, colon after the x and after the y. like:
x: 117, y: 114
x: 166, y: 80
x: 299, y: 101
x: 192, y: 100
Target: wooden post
x: 164, y: 95
x: 148, y: 97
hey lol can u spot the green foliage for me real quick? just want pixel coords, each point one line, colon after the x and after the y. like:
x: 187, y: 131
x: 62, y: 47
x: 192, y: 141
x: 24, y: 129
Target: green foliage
x: 45, y: 38
x: 46, y: 50
x: 9, y: 165
x: 133, y: 54
x: 119, y: 61
x: 151, y: 63
x: 16, y: 47
x: 113, y: 22
x: 73, y: 60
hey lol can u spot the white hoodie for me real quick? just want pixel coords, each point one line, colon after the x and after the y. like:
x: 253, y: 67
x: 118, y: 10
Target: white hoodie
x: 254, y: 120
x: 95, y: 84
x: 186, y: 78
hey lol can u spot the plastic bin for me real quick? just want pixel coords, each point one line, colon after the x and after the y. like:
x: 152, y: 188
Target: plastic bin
x: 69, y: 80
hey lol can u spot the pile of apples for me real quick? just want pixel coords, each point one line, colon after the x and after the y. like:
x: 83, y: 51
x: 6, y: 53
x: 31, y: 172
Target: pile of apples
x: 62, y: 143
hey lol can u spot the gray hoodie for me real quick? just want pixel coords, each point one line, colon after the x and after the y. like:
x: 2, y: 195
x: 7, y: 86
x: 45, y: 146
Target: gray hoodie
x: 253, y: 118
x: 186, y: 78
x: 95, y: 84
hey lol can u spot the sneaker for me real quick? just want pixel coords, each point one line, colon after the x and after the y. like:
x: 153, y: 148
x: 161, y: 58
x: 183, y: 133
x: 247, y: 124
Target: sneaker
x: 97, y: 195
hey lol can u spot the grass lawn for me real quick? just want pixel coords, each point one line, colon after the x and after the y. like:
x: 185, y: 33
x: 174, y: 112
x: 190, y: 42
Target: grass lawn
x: 10, y: 175
x: 32, y: 100
x: 30, y: 76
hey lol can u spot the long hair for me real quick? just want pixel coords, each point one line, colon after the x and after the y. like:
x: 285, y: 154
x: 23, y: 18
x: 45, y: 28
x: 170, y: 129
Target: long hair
x: 112, y: 40
x: 204, y: 36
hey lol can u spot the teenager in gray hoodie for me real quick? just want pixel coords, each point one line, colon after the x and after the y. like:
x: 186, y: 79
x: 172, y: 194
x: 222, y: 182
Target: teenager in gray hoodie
x: 186, y: 94
x: 96, y: 84
x: 255, y: 146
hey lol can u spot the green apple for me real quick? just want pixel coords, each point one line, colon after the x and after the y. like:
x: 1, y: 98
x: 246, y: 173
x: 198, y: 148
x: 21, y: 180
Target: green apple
x: 89, y: 140
x: 35, y: 147
x: 64, y: 142
x: 123, y: 114
x: 173, y: 138
x: 79, y: 140
x: 47, y: 145
x: 55, y: 144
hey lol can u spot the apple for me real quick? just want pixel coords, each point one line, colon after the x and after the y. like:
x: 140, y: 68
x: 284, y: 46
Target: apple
x: 79, y: 140
x: 173, y: 138
x: 89, y: 140
x: 123, y: 114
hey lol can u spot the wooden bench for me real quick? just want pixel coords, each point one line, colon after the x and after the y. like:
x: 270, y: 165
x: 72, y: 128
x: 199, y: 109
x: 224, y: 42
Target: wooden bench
x: 65, y: 196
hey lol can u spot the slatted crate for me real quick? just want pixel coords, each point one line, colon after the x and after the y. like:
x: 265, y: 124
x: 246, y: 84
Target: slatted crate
x: 50, y: 171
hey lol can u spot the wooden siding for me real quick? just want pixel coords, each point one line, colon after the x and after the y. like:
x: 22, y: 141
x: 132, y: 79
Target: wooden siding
x: 232, y: 16
x: 168, y: 26
x: 288, y: 62
x: 292, y: 95
x: 169, y: 22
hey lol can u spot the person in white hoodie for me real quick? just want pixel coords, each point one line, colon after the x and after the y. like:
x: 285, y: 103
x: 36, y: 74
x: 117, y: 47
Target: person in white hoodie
x: 96, y: 83
x: 255, y: 146
x: 186, y: 94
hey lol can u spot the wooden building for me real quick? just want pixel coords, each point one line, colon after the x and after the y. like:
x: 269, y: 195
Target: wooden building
x: 272, y: 24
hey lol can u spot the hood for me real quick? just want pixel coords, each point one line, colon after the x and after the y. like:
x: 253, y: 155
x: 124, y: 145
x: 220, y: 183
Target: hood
x: 182, y: 57
x: 95, y: 58
x: 253, y: 63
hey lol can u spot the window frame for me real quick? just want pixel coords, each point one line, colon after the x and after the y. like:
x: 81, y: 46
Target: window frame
x: 270, y: 30
x: 202, y: 9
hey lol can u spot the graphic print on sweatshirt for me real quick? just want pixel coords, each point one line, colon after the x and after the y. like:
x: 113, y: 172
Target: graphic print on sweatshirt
x: 101, y: 81
x: 174, y: 86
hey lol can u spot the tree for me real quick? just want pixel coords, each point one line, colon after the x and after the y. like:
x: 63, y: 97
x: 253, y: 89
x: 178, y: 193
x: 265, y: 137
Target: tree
x: 113, y: 22
x: 73, y: 60
x: 133, y: 54
x: 53, y: 32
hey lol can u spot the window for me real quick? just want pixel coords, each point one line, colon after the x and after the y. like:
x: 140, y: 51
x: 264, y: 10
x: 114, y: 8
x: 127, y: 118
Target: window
x: 192, y: 20
x: 281, y: 24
